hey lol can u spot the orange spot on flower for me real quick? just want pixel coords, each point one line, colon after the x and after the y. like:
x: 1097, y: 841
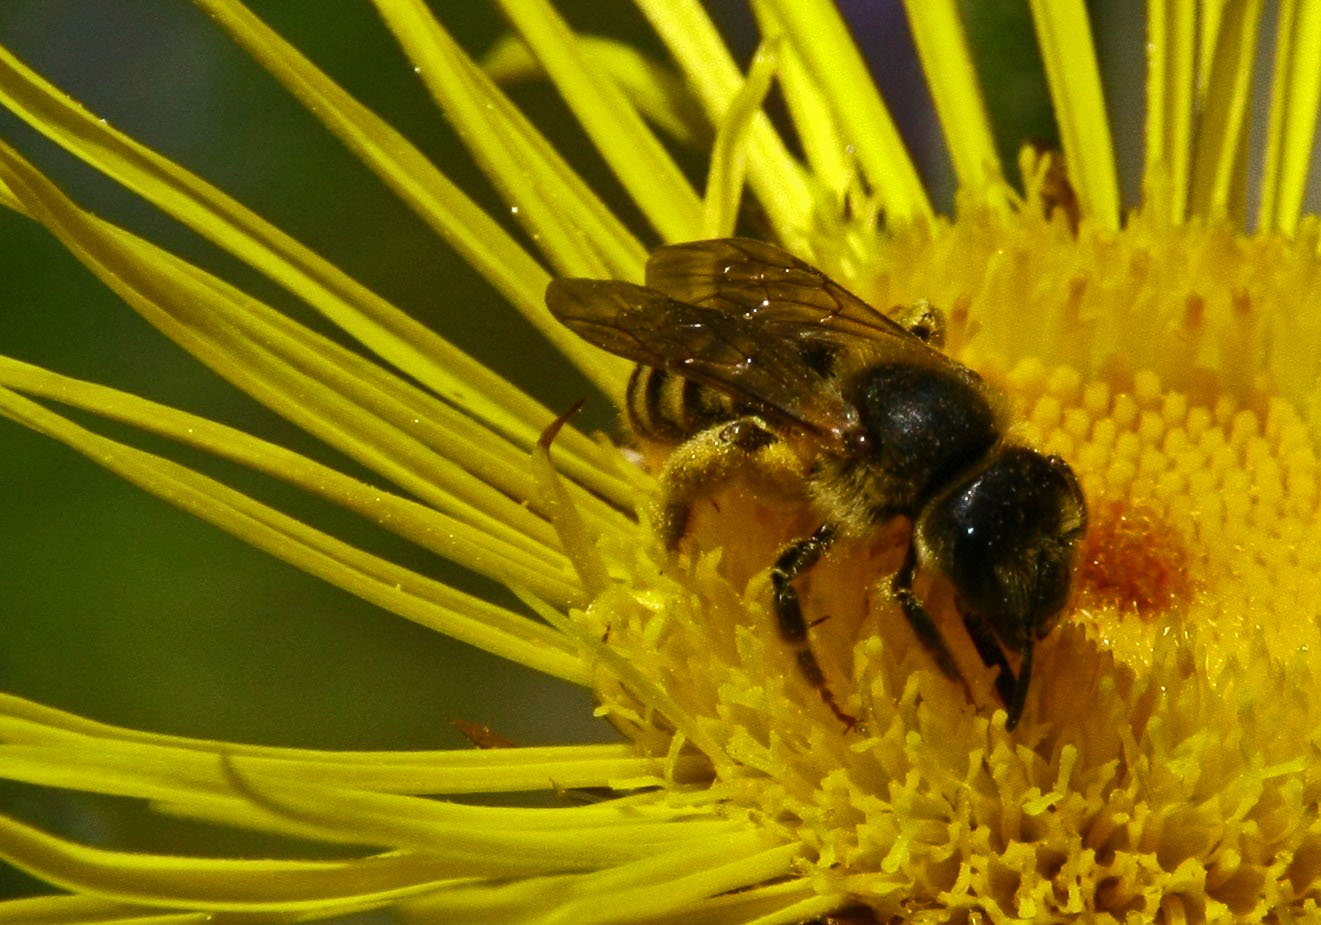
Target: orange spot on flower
x: 1134, y: 561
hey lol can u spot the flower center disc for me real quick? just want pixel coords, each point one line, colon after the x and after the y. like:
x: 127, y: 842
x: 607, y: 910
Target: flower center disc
x: 1171, y: 710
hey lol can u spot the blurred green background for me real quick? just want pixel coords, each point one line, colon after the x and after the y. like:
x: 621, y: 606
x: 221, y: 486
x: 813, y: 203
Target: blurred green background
x: 121, y: 608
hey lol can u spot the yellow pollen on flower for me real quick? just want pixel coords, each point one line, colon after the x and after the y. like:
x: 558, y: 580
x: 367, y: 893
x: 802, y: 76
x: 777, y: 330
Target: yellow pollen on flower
x: 1160, y: 771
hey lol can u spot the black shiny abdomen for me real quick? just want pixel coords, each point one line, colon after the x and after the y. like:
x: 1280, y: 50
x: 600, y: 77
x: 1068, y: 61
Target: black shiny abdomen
x: 923, y: 425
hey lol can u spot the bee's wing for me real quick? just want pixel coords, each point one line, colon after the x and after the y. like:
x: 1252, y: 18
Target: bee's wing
x: 753, y: 362
x: 740, y: 276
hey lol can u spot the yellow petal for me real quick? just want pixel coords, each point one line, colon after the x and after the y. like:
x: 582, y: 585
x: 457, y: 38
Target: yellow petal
x: 1065, y: 37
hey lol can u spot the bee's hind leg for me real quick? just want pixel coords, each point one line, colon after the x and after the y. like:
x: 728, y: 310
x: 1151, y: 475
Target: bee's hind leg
x: 710, y: 458
x: 796, y: 558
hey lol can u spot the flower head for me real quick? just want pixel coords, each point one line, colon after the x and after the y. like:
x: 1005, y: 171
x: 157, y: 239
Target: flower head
x: 1164, y: 765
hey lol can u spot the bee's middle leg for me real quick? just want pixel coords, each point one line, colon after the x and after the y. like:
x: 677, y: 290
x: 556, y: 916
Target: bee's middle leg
x: 794, y: 560
x: 709, y: 459
x: 992, y: 655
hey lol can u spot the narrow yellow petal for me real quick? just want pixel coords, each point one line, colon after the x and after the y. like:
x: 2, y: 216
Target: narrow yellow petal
x: 572, y: 227
x: 190, y: 781
x: 832, y: 169
x: 400, y: 515
x: 942, y: 47
x: 821, y: 38
x: 10, y: 201
x: 774, y: 175
x: 1171, y: 95
x: 575, y: 540
x: 1209, y: 18
x: 194, y: 786
x: 1222, y: 130
x: 488, y: 841
x: 637, y: 158
x: 396, y: 589
x: 25, y: 723
x: 216, y: 884
x: 724, y: 182
x: 143, y: 779
x: 303, y: 376
x: 653, y: 88
x: 661, y: 888
x: 400, y: 340
x: 1065, y: 36
x: 499, y: 903
x: 778, y: 902
x: 88, y: 910
x: 592, y: 236
x: 810, y: 909
x: 189, y: 306
x: 1295, y: 96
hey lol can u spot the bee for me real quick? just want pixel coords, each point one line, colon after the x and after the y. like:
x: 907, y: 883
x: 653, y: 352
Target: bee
x: 747, y: 355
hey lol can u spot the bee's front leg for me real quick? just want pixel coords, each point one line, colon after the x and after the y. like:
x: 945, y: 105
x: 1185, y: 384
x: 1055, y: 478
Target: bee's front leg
x: 1012, y: 690
x: 925, y: 628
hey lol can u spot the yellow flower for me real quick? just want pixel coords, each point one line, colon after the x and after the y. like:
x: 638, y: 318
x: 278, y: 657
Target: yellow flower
x: 1164, y: 767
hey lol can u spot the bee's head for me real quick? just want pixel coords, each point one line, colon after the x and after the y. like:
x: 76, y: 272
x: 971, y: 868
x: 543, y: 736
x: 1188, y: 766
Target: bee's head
x: 1005, y: 537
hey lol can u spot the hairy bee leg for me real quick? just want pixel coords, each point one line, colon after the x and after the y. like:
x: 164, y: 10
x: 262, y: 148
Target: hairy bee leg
x: 710, y: 458
x: 1009, y: 687
x: 793, y: 561
x: 927, y: 633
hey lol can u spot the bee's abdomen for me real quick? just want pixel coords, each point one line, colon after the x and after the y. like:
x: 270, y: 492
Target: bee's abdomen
x: 665, y: 406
